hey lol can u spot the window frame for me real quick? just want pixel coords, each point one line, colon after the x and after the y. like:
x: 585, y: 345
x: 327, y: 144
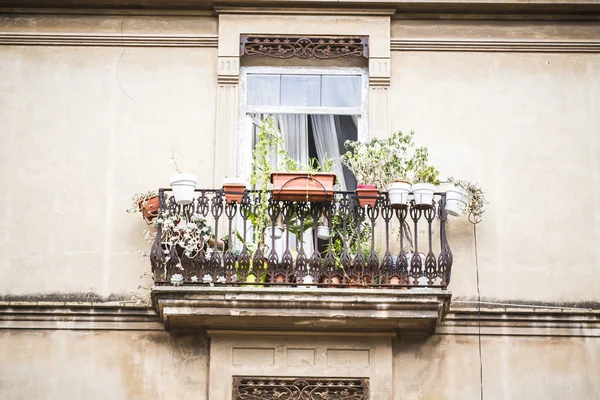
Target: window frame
x: 244, y: 141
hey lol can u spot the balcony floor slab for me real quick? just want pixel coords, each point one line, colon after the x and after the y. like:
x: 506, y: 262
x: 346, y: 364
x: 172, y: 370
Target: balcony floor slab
x: 303, y: 309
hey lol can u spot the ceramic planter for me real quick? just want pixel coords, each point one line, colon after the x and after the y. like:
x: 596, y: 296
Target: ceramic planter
x: 234, y: 190
x: 398, y: 193
x: 323, y: 232
x: 303, y: 186
x: 183, y: 186
x: 367, y: 195
x: 149, y: 208
x: 456, y: 200
x: 423, y: 193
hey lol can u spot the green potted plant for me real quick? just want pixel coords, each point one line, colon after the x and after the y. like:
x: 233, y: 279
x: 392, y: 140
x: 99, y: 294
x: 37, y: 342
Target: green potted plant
x: 424, y: 185
x: 367, y: 161
x: 289, y: 180
x: 425, y: 177
x: 397, y: 168
x: 314, y: 182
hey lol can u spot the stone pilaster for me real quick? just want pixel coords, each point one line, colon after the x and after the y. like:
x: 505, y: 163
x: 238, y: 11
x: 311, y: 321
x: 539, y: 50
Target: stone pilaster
x: 379, y: 104
x: 228, y: 70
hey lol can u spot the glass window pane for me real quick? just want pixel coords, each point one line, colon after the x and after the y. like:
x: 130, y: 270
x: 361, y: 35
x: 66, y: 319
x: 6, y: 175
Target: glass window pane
x: 263, y: 90
x: 301, y: 90
x: 341, y: 91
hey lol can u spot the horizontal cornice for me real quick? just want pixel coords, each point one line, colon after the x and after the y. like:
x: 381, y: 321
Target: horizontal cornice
x: 576, y: 8
x: 67, y: 39
x: 521, y: 46
x: 522, y: 321
x: 78, y: 316
x: 495, y: 321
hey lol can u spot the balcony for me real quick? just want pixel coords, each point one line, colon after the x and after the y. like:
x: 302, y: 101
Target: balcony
x: 319, y: 265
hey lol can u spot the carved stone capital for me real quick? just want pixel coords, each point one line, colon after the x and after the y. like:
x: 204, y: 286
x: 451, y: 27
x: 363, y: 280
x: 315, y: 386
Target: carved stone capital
x: 228, y: 70
x: 379, y: 71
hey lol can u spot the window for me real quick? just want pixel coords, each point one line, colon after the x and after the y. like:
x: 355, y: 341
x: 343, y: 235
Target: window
x: 316, y: 110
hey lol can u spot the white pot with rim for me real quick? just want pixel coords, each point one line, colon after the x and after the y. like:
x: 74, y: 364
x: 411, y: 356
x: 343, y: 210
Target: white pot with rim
x: 456, y: 200
x: 183, y: 186
x: 423, y: 193
x: 323, y: 232
x: 398, y: 192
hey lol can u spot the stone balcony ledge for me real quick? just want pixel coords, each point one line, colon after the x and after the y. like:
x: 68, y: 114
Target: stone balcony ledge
x: 328, y: 309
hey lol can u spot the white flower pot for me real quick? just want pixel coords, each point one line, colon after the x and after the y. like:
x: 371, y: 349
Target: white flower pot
x: 323, y: 232
x: 183, y: 186
x: 456, y: 200
x: 423, y: 193
x: 398, y: 193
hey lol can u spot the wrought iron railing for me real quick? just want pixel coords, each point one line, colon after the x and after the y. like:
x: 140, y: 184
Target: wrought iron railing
x: 213, y: 242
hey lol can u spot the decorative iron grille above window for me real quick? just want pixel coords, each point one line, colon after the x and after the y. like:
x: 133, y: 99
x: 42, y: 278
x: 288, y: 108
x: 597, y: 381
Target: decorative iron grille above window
x: 245, y: 388
x: 304, y: 47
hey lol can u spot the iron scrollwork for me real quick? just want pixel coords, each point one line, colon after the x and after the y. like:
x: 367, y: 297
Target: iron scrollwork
x: 304, y: 47
x: 245, y: 388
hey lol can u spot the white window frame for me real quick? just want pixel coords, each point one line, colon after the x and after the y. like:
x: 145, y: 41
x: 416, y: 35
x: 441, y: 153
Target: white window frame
x: 244, y: 141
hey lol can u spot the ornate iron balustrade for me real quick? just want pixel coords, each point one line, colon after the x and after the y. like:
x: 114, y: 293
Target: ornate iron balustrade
x: 189, y: 249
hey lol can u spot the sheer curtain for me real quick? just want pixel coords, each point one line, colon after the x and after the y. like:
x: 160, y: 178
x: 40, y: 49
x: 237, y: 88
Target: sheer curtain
x: 294, y: 129
x: 326, y: 135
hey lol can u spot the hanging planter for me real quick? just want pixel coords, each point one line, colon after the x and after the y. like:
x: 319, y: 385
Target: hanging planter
x: 183, y: 186
x: 367, y: 195
x: 146, y: 203
x: 303, y: 186
x: 398, y: 192
x: 149, y: 208
x: 323, y: 232
x: 456, y: 200
x: 234, y: 190
x: 423, y: 194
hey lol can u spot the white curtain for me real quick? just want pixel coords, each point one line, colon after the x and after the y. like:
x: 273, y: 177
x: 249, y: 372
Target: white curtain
x: 326, y: 142
x: 294, y: 129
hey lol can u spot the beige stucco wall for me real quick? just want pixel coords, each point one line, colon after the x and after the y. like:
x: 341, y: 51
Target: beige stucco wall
x: 525, y: 127
x: 101, y: 365
x: 516, y: 368
x: 83, y: 129
x: 139, y: 365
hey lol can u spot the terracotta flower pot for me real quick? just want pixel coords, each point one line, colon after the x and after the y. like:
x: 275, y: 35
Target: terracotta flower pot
x: 234, y: 190
x: 303, y: 186
x: 149, y: 208
x: 367, y: 195
x: 334, y: 281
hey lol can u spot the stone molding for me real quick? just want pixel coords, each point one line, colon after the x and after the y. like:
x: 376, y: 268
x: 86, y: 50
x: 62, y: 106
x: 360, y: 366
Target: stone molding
x: 78, y: 316
x: 505, y: 321
x: 72, y: 39
x: 522, y: 321
x: 521, y: 46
